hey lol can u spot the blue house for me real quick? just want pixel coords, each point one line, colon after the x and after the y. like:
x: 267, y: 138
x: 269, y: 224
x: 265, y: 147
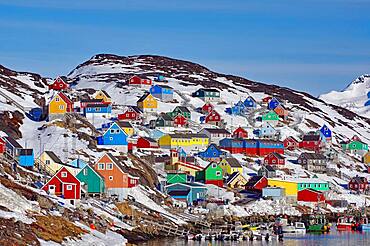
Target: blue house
x: 325, y: 132
x: 237, y: 109
x: 98, y: 110
x: 26, y: 158
x: 181, y: 153
x: 189, y: 192
x: 12, y: 147
x: 156, y: 134
x: 250, y: 103
x: 273, y: 103
x: 212, y: 152
x: 162, y: 92
x: 368, y: 101
x: 114, y: 135
x: 266, y: 131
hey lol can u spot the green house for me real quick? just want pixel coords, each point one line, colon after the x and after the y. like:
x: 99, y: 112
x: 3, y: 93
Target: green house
x: 173, y: 178
x: 184, y: 111
x: 355, y: 145
x: 212, y: 174
x: 314, y: 184
x: 91, y: 181
x: 270, y: 116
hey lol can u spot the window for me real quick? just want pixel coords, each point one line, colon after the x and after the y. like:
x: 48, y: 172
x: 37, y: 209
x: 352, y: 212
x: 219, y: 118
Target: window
x: 47, y: 162
x: 61, y: 107
x: 109, y: 166
x: 218, y: 173
x: 57, y: 99
x: 101, y: 166
x: 85, y: 172
x: 112, y: 131
x: 97, y: 109
x: 111, y: 138
x: 69, y: 187
x: 110, y: 177
x: 64, y: 174
x: 214, y: 165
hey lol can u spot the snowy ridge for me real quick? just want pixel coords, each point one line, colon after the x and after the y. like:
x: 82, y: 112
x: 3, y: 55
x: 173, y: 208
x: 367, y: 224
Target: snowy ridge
x: 353, y: 97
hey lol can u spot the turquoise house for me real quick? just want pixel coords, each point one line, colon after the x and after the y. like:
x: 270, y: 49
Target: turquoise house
x: 91, y: 181
x: 188, y: 192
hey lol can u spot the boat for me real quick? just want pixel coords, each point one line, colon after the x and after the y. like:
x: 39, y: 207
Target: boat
x: 298, y: 227
x: 346, y: 223
x: 317, y: 223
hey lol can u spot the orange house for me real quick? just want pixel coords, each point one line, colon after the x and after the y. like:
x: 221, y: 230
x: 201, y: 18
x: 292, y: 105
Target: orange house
x: 281, y: 111
x: 110, y: 168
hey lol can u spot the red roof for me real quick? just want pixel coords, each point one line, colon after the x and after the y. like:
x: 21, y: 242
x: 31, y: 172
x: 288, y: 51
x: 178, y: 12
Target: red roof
x: 65, y: 98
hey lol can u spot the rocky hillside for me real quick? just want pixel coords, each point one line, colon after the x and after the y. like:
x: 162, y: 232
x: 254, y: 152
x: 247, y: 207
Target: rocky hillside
x: 353, y: 97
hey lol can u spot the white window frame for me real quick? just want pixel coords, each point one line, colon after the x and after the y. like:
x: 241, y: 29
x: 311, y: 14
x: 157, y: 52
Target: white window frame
x: 109, y: 164
x: 69, y: 187
x: 101, y: 166
x: 110, y: 177
x: 64, y: 175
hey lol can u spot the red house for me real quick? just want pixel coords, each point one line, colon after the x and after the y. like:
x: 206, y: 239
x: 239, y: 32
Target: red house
x: 2, y: 146
x: 146, y: 143
x: 291, y: 143
x: 274, y: 159
x: 310, y: 195
x: 358, y: 184
x: 207, y: 107
x: 132, y: 113
x: 180, y: 121
x: 256, y: 183
x: 59, y: 84
x: 266, y: 99
x: 311, y: 142
x: 139, y: 80
x: 64, y: 185
x: 213, y: 118
x: 240, y: 133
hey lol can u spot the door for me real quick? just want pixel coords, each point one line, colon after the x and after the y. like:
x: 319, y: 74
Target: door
x: 52, y: 189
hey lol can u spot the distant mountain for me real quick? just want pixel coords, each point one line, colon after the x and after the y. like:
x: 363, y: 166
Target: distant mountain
x: 353, y: 97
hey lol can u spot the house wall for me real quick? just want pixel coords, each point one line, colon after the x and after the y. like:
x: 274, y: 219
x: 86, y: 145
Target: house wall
x: 291, y: 188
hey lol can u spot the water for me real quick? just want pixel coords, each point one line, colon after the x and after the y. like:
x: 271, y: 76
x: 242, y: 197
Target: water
x: 333, y: 238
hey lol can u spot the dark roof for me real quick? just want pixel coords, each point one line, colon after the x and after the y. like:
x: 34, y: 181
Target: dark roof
x: 142, y: 98
x: 188, y: 135
x: 277, y: 155
x: 63, y: 78
x: 13, y: 142
x: 216, y: 130
x: 124, y: 124
x: 149, y: 139
x: 100, y: 105
x: 311, y: 137
x: 312, y: 156
x: 233, y: 162
x: 253, y: 180
x: 183, y: 109
x: 232, y: 176
x: 93, y: 100
x: 54, y: 157
x: 135, y: 108
x: 358, y: 180
x: 269, y: 168
x: 105, y: 93
x: 209, y: 89
x: 165, y: 86
x: 179, y: 192
x: 26, y: 152
x: 165, y: 117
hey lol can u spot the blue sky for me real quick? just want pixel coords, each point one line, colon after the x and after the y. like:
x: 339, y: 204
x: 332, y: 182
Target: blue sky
x: 314, y: 46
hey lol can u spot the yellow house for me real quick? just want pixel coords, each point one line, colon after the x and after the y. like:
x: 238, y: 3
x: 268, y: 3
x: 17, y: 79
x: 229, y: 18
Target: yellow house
x: 367, y: 158
x: 102, y: 94
x: 147, y: 103
x: 51, y: 163
x: 190, y: 141
x: 291, y: 187
x: 126, y: 127
x: 231, y: 165
x: 60, y: 104
x: 180, y: 166
x: 236, y: 180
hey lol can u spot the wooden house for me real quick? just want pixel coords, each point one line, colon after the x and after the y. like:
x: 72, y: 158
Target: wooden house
x: 273, y: 103
x: 313, y: 162
x: 190, y: 192
x: 181, y: 110
x: 311, y: 142
x: 65, y: 185
x: 355, y: 146
x: 274, y: 159
x: 206, y: 108
x: 214, y: 118
x: 250, y: 103
x: 163, y: 120
x: 26, y: 158
x: 146, y: 143
x: 310, y: 195
x: 274, y: 193
x: 256, y: 183
x: 293, y: 185
x: 114, y: 136
x: 266, y: 131
x: 156, y: 134
x: 126, y: 127
x: 177, y: 177
x: 291, y: 143
x: 236, y: 180
x: 240, y: 133
x: 358, y: 184
x: 59, y: 105
x: 215, y: 134
x: 271, y: 117
x: 12, y: 147
x: 147, y: 103
x: 208, y: 94
x: 180, y: 121
x: 281, y: 111
x: 265, y: 100
x: 212, y: 174
x: 366, y: 158
x: 89, y: 101
x: 131, y: 113
x: 162, y: 92
x: 213, y: 152
x: 325, y: 133
x: 230, y: 165
x: 93, y: 111
x: 139, y: 80
x: 114, y: 174
x: 91, y: 181
x: 59, y: 84
x: 49, y: 162
x: 2, y: 146
x: 190, y: 141
x: 104, y: 96
x: 267, y: 171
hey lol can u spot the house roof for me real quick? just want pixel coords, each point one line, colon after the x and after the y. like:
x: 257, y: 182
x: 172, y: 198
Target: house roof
x: 165, y: 86
x: 179, y: 192
x: 269, y: 168
x: 143, y: 97
x: 149, y: 139
x: 53, y: 156
x: 253, y: 181
x: 209, y: 89
x: 291, y: 137
x: 311, y: 137
x: 141, y: 76
x: 232, y: 177
x: 64, y: 97
x: 190, y: 185
x: 99, y: 105
x: 358, y: 180
x: 105, y: 93
x: 13, y: 142
x: 188, y: 135
x: 233, y: 162
x: 216, y: 130
x: 313, y: 156
x: 124, y: 124
x: 135, y: 108
x: 26, y: 152
x: 183, y: 109
x: 92, y: 100
x: 165, y: 117
x: 277, y: 155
